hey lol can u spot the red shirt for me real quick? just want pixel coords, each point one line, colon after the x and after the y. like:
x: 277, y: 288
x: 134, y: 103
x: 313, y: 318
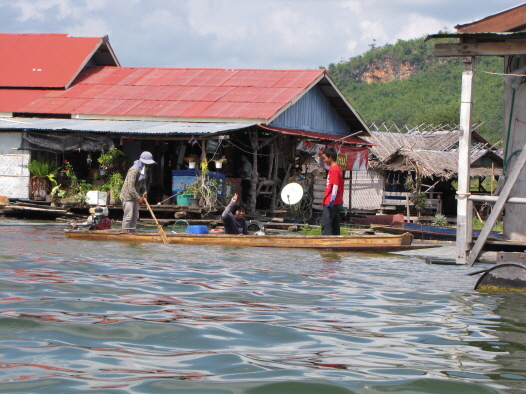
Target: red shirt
x: 335, y: 177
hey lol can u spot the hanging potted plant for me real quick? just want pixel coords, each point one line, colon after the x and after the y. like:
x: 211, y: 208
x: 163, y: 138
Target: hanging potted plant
x: 42, y: 179
x: 108, y: 158
x: 219, y: 162
x: 192, y: 160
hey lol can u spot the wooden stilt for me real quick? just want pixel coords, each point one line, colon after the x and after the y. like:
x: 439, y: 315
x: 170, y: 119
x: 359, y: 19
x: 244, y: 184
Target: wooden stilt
x: 464, y: 211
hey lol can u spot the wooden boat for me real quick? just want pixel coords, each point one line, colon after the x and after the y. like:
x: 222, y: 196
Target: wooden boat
x: 370, y: 243
x: 428, y: 232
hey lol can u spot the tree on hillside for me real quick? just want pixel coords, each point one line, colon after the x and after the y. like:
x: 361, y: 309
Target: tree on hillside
x: 431, y: 94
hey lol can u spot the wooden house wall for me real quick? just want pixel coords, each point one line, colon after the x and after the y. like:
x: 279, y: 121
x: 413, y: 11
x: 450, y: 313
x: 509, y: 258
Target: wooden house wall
x: 313, y: 112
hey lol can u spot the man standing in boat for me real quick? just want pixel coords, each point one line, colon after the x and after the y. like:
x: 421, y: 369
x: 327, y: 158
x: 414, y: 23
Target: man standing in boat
x: 133, y: 192
x: 333, y: 197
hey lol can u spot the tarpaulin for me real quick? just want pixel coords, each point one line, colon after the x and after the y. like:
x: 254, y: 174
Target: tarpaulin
x: 63, y: 143
x: 350, y: 158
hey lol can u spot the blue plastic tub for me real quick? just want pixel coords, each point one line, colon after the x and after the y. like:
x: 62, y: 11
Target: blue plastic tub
x: 197, y: 230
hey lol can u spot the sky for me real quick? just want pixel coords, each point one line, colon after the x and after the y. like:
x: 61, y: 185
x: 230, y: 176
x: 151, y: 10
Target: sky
x: 275, y: 34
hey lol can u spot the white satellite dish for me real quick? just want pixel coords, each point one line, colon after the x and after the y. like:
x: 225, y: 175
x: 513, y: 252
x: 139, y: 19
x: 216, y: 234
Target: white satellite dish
x: 292, y: 193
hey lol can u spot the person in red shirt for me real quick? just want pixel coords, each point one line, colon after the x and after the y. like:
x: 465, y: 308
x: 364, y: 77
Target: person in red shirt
x: 333, y: 197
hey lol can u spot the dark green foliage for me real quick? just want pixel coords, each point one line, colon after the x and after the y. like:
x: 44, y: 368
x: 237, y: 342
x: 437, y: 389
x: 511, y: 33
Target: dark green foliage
x: 430, y: 95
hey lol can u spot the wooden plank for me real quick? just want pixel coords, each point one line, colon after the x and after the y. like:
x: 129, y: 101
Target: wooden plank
x: 481, y: 49
x: 498, y: 207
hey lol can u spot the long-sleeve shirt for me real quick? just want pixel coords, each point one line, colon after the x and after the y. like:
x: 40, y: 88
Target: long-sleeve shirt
x: 133, y: 188
x: 231, y: 224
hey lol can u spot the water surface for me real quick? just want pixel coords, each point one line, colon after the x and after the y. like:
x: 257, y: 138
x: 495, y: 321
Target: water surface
x: 97, y: 317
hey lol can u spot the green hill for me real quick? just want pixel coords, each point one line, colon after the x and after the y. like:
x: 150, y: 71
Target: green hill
x: 404, y: 83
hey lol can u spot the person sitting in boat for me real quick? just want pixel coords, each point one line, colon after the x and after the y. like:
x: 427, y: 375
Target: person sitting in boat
x: 235, y: 223
x: 133, y: 192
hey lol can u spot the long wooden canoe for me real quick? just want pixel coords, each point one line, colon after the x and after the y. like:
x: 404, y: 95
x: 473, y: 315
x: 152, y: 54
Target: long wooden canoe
x: 370, y: 243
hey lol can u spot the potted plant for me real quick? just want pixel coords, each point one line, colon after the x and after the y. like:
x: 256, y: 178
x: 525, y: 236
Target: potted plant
x: 192, y: 160
x: 113, y: 186
x: 57, y: 193
x: 219, y: 162
x: 193, y: 190
x: 42, y: 179
x: 108, y: 158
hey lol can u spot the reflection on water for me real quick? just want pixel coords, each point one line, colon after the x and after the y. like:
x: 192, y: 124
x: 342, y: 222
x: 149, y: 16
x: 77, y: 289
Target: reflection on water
x: 78, y: 316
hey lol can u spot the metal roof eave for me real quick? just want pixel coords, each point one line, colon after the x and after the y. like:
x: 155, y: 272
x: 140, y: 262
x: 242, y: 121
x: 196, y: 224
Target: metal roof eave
x: 120, y: 127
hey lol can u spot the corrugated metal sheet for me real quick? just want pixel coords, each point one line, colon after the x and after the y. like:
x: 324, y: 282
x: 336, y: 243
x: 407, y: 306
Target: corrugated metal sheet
x: 195, y: 93
x: 118, y: 126
x: 43, y: 60
x: 313, y: 112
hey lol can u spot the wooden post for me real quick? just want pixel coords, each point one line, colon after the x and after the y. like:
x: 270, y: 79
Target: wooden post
x: 464, y: 210
x: 254, y: 183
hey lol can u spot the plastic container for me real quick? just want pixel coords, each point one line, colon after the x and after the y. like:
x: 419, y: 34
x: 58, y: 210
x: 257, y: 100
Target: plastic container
x: 197, y: 230
x: 184, y: 199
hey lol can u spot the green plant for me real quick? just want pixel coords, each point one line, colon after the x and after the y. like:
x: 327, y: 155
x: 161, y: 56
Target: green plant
x: 109, y: 157
x: 420, y: 202
x: 221, y: 160
x: 114, y: 184
x: 193, y: 189
x: 70, y: 173
x: 42, y: 169
x: 439, y: 220
x: 43, y: 178
x: 79, y: 191
x: 57, y: 192
x: 311, y: 230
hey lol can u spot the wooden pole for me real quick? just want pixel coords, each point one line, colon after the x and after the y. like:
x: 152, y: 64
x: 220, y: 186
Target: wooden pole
x: 464, y: 211
x: 159, y: 227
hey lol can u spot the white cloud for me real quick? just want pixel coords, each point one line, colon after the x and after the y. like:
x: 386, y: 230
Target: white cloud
x: 91, y: 27
x: 35, y: 9
x: 418, y: 25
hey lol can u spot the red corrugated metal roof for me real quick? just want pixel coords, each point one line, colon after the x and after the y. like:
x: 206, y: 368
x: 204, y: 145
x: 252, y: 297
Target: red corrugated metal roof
x: 195, y: 93
x: 43, y: 60
x: 321, y: 136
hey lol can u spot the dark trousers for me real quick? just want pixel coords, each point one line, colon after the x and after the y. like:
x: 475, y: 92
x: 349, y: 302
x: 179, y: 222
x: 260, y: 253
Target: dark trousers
x: 246, y: 184
x: 330, y: 220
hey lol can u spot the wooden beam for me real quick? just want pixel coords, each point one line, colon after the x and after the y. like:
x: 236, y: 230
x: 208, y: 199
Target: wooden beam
x: 464, y: 207
x: 498, y: 207
x: 500, y: 48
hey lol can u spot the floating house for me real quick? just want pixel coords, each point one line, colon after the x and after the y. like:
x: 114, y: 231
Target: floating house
x: 68, y: 98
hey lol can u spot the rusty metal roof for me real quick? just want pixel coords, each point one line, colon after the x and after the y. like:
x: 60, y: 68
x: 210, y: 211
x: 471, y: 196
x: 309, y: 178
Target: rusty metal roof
x: 49, y: 60
x: 171, y: 93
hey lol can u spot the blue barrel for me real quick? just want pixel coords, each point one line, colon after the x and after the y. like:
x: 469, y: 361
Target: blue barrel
x: 197, y: 230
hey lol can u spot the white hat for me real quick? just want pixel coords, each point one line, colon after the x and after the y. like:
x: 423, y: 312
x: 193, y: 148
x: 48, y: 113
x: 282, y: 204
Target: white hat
x: 147, y: 158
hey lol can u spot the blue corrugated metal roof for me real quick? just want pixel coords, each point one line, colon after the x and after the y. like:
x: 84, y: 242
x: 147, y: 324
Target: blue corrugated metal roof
x: 118, y: 126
